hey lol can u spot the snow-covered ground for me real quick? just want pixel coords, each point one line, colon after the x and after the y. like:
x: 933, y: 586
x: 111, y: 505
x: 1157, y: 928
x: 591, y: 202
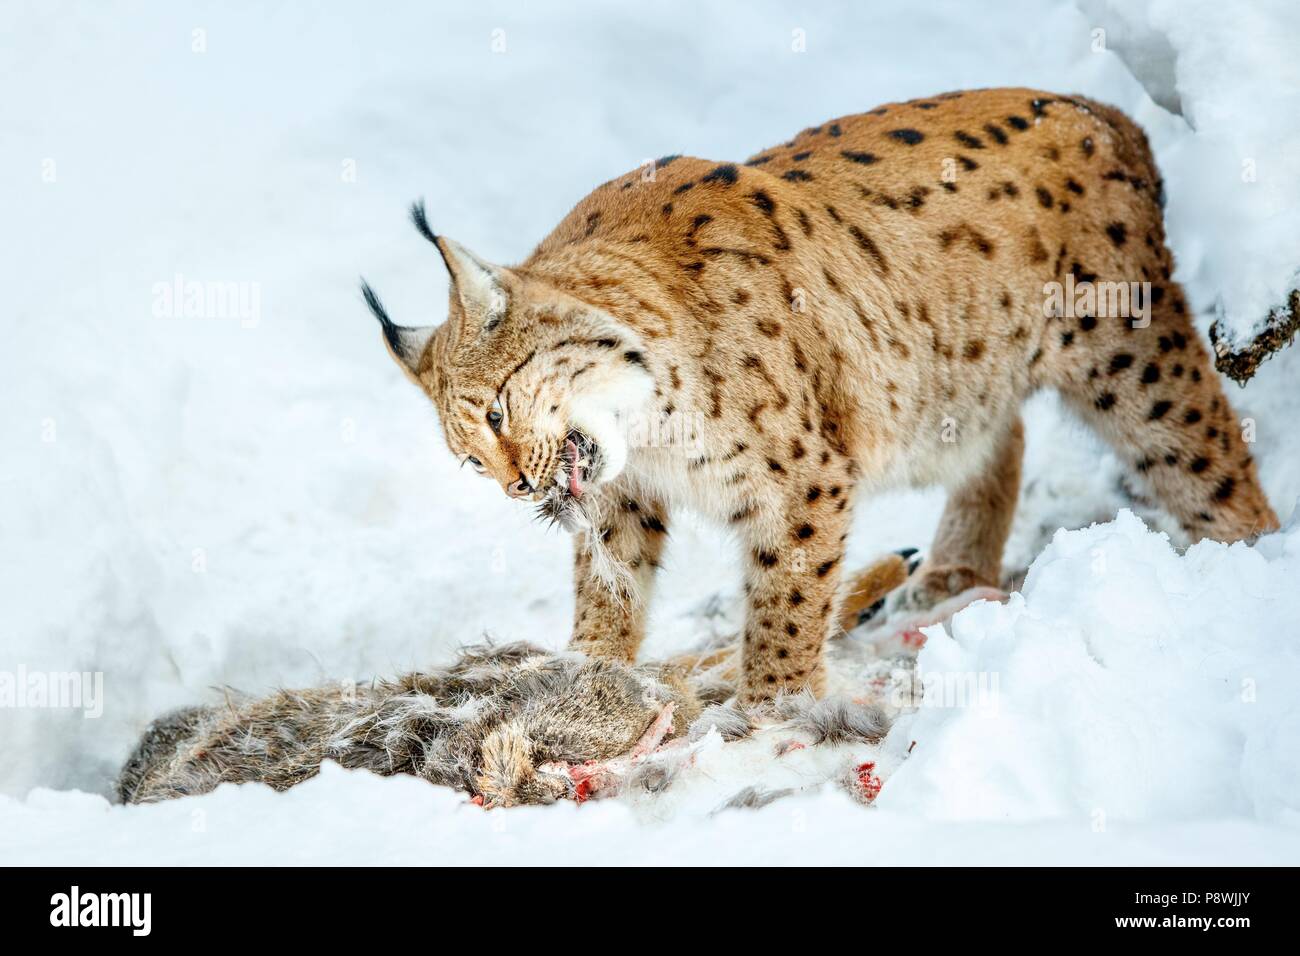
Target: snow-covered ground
x: 254, y: 497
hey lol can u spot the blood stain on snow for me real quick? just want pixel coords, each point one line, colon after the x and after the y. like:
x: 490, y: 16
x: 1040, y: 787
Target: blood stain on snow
x: 869, y: 783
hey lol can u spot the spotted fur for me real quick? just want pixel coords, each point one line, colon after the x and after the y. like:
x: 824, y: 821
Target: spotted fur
x: 860, y: 308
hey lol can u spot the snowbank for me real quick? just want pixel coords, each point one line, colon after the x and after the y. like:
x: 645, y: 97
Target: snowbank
x: 1233, y: 203
x: 1131, y: 683
x: 1131, y: 705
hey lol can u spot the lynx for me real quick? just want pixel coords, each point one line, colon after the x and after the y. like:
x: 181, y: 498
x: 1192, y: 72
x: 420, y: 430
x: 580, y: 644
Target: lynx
x: 861, y: 308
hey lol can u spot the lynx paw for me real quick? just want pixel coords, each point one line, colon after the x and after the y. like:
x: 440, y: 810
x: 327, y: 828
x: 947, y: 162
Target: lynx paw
x: 932, y: 584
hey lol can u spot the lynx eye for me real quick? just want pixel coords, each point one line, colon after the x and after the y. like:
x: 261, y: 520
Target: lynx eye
x: 473, y: 463
x: 494, y: 417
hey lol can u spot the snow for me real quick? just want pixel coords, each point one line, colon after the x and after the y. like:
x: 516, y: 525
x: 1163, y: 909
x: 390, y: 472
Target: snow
x: 259, y: 499
x: 1130, y: 673
x: 1233, y: 204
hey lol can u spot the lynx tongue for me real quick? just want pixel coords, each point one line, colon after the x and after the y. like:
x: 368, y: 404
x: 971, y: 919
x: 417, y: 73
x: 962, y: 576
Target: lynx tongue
x: 575, y: 482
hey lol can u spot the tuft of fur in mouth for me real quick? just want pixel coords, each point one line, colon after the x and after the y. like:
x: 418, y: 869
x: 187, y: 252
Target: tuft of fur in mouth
x: 579, y: 460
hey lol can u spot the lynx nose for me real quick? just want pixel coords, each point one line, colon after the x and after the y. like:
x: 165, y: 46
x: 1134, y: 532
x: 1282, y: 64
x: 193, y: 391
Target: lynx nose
x: 520, y: 488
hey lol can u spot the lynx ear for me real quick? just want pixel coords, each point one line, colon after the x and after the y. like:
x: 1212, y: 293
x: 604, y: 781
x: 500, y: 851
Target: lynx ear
x: 477, y: 285
x: 405, y: 344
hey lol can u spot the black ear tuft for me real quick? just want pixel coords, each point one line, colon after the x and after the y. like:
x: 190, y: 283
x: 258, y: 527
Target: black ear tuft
x: 422, y: 221
x: 376, y: 307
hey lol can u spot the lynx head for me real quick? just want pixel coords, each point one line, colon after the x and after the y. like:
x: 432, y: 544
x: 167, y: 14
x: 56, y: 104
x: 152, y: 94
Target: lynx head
x: 534, y: 387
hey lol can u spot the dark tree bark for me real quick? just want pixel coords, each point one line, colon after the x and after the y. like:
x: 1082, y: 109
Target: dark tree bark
x: 1240, y: 364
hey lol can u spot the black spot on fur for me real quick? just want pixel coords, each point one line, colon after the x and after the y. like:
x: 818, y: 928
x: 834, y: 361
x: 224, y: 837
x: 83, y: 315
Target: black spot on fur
x: 726, y: 173
x: 909, y: 136
x: 1018, y: 122
x: 1044, y: 197
x: 1160, y: 410
x: 652, y: 523
x: 868, y: 245
x: 866, y: 159
x: 635, y: 358
x: 1151, y: 374
x: 1105, y: 401
x: 1198, y: 465
x: 767, y: 559
x: 1224, y: 491
x: 797, y: 176
x: 996, y: 132
x: 1118, y: 234
x: 1120, y: 362
x: 967, y: 140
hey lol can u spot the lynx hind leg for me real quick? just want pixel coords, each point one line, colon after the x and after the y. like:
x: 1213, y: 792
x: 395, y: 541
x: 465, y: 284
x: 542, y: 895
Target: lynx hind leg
x: 967, y: 547
x: 865, y: 591
x: 1155, y: 398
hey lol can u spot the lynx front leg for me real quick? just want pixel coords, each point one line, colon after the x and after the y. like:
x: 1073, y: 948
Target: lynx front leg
x: 614, y: 569
x: 791, y: 586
